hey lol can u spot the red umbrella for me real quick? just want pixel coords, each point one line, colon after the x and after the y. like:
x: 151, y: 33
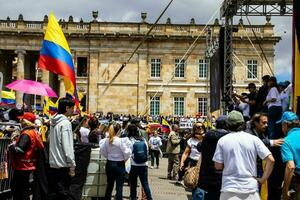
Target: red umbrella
x: 32, y: 87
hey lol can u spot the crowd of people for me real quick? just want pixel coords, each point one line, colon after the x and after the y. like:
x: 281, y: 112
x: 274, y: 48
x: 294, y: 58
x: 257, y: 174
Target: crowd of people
x: 251, y: 153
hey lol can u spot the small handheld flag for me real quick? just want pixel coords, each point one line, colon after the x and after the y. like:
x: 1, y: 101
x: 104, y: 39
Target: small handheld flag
x: 8, y: 97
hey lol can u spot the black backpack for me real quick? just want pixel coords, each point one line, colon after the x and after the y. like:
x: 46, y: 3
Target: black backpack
x: 140, y: 154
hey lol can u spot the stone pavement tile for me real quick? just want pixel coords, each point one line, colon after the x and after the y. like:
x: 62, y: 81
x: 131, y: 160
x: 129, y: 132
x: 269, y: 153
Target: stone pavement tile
x: 161, y: 187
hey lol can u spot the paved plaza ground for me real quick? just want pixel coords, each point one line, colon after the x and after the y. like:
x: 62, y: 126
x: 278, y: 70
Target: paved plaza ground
x: 161, y: 187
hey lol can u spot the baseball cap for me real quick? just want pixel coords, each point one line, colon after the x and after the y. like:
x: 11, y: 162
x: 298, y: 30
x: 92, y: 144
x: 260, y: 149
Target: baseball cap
x: 288, y: 116
x: 222, y: 118
x: 235, y: 117
x: 28, y: 116
x: 251, y: 85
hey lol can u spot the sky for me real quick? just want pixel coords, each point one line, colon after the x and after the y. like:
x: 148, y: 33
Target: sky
x: 180, y: 11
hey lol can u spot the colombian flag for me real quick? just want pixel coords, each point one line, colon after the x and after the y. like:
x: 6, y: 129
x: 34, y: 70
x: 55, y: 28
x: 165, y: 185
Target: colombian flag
x: 166, y: 128
x: 8, y: 97
x: 296, y: 53
x: 55, y: 56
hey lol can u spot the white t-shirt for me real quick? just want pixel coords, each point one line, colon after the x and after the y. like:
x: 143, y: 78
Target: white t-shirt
x: 192, y: 143
x: 238, y: 152
x: 84, y: 134
x: 273, y: 94
x: 245, y: 108
x: 284, y: 101
x: 155, y: 142
x: 289, y: 92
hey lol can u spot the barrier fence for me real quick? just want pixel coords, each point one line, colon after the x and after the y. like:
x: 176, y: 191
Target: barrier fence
x: 6, y: 171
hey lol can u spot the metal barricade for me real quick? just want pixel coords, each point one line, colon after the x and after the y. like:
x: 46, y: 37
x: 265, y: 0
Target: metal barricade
x: 6, y: 171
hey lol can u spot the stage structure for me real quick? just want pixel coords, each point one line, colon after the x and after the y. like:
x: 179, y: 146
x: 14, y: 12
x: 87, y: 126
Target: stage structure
x: 231, y: 8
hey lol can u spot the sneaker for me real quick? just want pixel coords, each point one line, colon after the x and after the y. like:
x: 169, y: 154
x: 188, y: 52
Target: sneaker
x: 179, y: 183
x: 151, y: 167
x: 157, y: 167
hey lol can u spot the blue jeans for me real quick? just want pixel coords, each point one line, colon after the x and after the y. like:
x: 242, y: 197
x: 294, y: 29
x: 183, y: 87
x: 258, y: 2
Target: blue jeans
x: 115, y: 171
x: 142, y: 173
x: 198, y: 194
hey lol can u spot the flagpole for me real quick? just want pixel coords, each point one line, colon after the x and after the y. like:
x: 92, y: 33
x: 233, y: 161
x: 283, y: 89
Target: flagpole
x: 36, y: 79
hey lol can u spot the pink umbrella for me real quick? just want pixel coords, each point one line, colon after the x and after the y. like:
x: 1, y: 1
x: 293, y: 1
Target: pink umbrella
x: 32, y: 87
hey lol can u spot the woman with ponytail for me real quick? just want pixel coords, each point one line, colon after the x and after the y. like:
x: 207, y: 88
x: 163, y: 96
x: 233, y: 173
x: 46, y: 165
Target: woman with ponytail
x: 117, y: 151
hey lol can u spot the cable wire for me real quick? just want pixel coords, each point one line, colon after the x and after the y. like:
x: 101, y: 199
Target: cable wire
x: 135, y: 50
x: 258, y: 42
x: 184, y: 57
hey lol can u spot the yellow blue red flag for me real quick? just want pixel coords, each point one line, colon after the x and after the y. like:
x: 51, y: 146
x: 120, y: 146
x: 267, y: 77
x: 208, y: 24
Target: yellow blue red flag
x: 8, y: 97
x: 55, y: 56
x: 296, y: 52
x: 165, y: 126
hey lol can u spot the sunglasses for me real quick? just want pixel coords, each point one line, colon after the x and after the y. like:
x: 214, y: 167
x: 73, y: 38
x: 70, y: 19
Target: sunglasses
x: 200, y: 127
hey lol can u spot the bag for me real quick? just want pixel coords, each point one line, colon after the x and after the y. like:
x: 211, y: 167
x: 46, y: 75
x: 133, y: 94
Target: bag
x: 140, y: 154
x: 191, y: 176
x: 128, y: 166
x: 161, y: 153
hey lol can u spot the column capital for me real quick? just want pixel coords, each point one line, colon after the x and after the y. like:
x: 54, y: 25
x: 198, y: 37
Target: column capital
x: 20, y: 51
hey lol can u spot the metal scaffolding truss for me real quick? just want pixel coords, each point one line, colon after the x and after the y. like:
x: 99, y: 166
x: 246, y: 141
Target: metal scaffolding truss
x: 263, y: 10
x: 231, y: 8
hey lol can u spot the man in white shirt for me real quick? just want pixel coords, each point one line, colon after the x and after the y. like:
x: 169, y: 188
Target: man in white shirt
x: 244, y: 106
x: 155, y: 143
x: 236, y: 155
x: 284, y: 97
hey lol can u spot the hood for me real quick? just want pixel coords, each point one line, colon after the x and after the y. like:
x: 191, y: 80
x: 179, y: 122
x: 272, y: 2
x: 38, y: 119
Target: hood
x: 57, y: 119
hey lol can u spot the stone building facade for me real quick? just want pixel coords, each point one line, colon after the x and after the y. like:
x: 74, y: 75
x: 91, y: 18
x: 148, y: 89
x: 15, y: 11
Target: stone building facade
x: 100, y: 48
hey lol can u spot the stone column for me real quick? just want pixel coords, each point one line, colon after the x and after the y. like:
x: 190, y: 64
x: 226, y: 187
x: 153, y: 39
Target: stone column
x: 62, y: 92
x: 45, y: 76
x: 93, y: 74
x: 20, y: 71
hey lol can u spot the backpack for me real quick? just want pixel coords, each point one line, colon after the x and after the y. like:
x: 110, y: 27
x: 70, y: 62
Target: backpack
x: 140, y: 154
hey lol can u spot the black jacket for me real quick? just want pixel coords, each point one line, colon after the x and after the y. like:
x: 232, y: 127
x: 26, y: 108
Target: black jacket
x: 209, y: 177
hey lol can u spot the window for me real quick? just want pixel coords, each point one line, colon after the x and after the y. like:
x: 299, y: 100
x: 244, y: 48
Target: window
x: 178, y: 105
x: 252, y: 69
x: 179, y: 68
x: 82, y: 66
x: 203, y: 68
x: 154, y: 105
x: 202, y: 106
x: 155, y: 68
